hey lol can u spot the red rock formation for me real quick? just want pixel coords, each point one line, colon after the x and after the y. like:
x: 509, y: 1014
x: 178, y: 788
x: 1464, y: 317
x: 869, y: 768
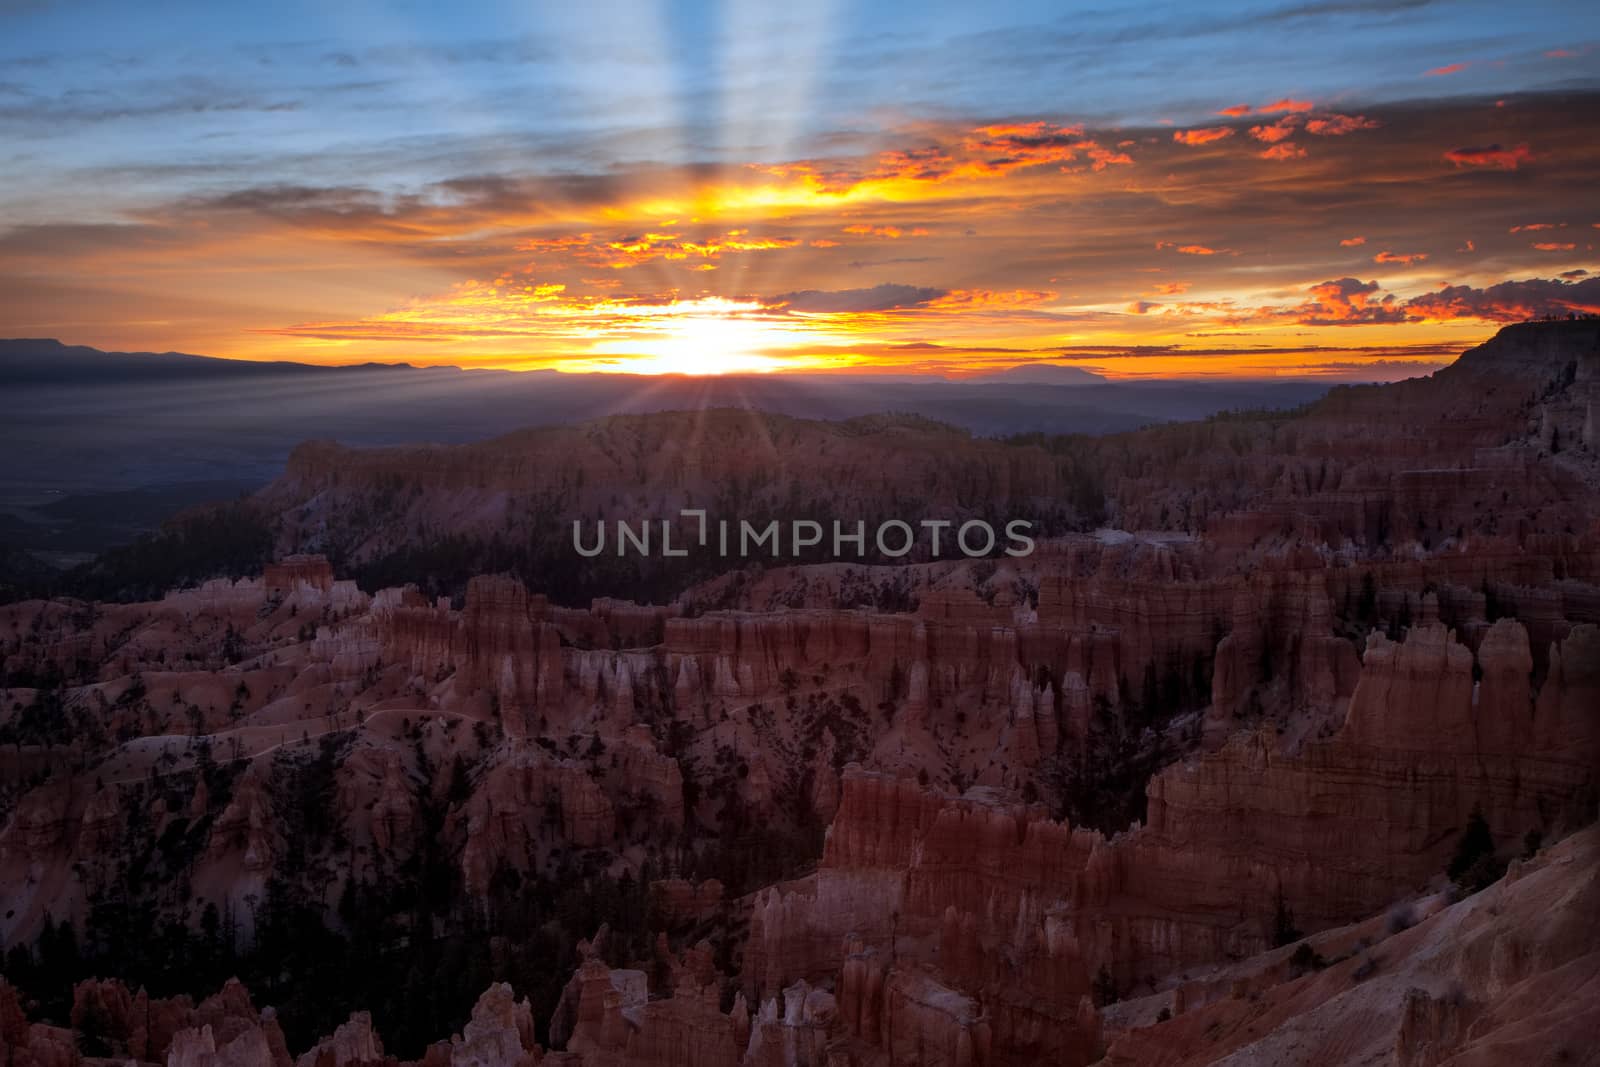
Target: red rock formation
x: 351, y: 1043
x: 681, y: 902
x: 1333, y: 832
x: 1509, y: 975
x: 291, y: 572
x: 499, y: 1034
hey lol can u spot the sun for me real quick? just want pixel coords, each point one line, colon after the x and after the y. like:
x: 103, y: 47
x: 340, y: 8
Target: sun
x: 707, y: 336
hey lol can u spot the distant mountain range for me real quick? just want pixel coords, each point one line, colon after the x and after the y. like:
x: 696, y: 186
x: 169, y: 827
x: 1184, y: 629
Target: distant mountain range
x: 46, y: 361
x: 84, y: 427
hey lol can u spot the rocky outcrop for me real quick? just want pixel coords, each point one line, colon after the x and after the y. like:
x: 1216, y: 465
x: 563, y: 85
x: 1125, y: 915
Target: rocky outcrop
x: 1507, y: 975
x: 1026, y: 910
x: 525, y: 804
x: 199, y: 1048
x: 499, y: 1034
x: 680, y: 902
x: 352, y: 1044
x: 293, y: 572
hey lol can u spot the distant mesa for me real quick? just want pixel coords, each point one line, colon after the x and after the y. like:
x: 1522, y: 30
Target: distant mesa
x: 1042, y: 374
x: 45, y: 361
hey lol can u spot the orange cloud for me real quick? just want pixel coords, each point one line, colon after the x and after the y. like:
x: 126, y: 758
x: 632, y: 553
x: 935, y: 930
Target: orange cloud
x: 620, y: 253
x: 1453, y: 68
x: 916, y: 164
x: 1511, y: 301
x: 1286, y: 150
x: 1531, y: 226
x: 1101, y: 158
x: 1554, y: 246
x: 1285, y: 105
x: 1273, y: 132
x: 1235, y: 111
x: 890, y: 232
x: 983, y: 152
x: 1490, y: 156
x: 1353, y: 242
x: 984, y: 299
x: 1004, y: 147
x: 548, y: 244
x: 1339, y: 125
x: 1172, y: 288
x: 1204, y: 135
x: 1406, y: 258
x: 1346, y: 301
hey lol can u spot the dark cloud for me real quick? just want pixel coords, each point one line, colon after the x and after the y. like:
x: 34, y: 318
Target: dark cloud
x: 1509, y: 301
x: 47, y: 111
x: 861, y: 264
x: 885, y: 297
x: 1327, y: 8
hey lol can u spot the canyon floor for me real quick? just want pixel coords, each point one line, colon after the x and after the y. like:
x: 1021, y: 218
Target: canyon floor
x: 1282, y: 746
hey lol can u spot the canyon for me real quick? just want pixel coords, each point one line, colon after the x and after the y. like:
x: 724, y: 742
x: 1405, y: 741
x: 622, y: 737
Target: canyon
x: 1283, y: 745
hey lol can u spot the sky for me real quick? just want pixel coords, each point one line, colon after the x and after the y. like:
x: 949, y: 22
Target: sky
x: 1349, y: 189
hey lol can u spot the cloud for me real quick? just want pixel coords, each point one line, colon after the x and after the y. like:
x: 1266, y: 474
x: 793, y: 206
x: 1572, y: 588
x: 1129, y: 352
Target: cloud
x: 1005, y: 147
x: 1490, y: 156
x: 1285, y: 105
x: 862, y: 264
x: 1273, y: 132
x: 1509, y: 301
x: 1529, y: 227
x: 1554, y: 246
x: 1346, y: 302
x: 1453, y: 68
x: 1286, y: 150
x: 1353, y: 242
x: 1172, y: 288
x: 1339, y: 125
x: 1140, y: 307
x: 1352, y: 302
x: 991, y: 299
x: 885, y: 297
x: 1276, y: 107
x: 607, y: 231
x: 1203, y: 135
x: 632, y: 250
x: 980, y: 153
x: 1373, y: 369
x: 1101, y: 158
x: 1406, y: 258
x: 891, y: 232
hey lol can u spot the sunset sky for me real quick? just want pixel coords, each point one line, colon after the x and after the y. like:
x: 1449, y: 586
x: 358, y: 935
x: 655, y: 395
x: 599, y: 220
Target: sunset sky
x: 1345, y: 188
